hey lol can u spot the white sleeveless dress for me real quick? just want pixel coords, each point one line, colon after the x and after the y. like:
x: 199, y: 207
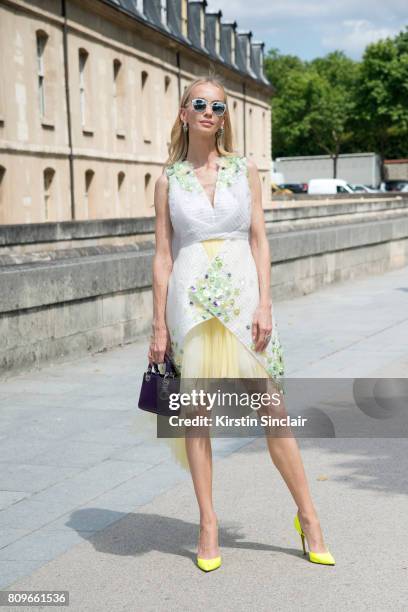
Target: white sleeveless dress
x: 226, y: 286
x: 213, y: 288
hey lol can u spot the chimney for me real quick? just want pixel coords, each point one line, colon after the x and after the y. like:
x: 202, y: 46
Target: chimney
x: 228, y: 42
x: 196, y: 23
x: 213, y: 33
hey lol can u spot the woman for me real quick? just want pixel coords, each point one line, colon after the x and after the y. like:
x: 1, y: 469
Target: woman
x: 210, y: 235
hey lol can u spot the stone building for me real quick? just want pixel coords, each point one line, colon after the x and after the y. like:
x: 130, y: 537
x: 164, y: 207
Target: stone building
x: 89, y: 90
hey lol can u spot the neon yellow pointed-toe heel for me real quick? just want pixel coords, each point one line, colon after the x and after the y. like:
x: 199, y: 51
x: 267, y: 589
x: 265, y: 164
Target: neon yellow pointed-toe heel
x: 325, y: 558
x: 208, y: 565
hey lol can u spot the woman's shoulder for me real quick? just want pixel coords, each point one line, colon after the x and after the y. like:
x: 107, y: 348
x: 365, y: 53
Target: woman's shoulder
x: 174, y: 168
x: 252, y: 168
x: 170, y: 169
x: 251, y: 164
x: 236, y: 159
x: 235, y: 163
x: 162, y: 178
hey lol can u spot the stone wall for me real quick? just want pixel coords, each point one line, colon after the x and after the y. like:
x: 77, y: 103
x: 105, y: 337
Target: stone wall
x: 72, y: 288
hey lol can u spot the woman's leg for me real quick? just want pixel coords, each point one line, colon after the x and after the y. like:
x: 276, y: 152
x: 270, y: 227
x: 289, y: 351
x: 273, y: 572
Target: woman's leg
x: 199, y: 455
x: 198, y: 441
x: 285, y: 454
x: 203, y: 342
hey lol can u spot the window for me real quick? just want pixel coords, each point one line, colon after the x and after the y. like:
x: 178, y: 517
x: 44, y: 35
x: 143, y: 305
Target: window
x: 264, y: 134
x: 2, y: 211
x: 122, y: 204
x: 149, y: 196
x: 233, y: 38
x: 184, y: 18
x: 121, y: 178
x: 250, y: 132
x: 247, y: 54
x: 83, y: 85
x: 89, y: 194
x: 202, y: 27
x: 217, y: 36
x: 234, y: 121
x: 163, y: 11
x: 2, y: 105
x: 168, y: 106
x: 118, y: 98
x: 41, y: 38
x: 48, y: 179
x: 146, y: 108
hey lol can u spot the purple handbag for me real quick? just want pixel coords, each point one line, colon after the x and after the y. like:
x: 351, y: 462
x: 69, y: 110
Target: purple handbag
x: 156, y: 388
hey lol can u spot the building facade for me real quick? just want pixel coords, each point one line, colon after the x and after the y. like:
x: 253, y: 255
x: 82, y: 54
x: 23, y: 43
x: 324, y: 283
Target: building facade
x: 89, y: 91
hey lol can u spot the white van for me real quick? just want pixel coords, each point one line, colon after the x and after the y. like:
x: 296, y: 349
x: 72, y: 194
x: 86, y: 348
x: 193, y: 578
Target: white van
x: 329, y: 186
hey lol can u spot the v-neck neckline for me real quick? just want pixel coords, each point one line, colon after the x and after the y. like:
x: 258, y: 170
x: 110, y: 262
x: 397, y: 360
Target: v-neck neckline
x: 198, y: 182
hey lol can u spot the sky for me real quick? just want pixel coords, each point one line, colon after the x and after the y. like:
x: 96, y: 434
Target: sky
x: 313, y: 28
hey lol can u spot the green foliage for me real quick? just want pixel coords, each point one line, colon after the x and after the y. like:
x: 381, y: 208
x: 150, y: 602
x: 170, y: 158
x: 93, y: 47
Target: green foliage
x: 335, y: 105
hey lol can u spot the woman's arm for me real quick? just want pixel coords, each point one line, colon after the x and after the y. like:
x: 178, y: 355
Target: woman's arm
x: 161, y: 270
x: 262, y: 321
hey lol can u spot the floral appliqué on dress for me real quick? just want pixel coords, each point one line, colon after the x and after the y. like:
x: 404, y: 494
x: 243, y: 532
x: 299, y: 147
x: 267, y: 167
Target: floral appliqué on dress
x: 215, y: 292
x: 275, y: 365
x: 230, y: 167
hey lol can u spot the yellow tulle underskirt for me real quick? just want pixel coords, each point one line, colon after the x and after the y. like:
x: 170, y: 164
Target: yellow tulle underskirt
x: 211, y: 351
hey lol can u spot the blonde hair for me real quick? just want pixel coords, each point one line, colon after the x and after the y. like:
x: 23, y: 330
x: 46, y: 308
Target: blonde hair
x: 178, y: 146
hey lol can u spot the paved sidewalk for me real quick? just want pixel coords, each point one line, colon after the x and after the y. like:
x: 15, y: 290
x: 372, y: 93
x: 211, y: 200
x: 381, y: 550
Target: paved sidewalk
x: 91, y: 503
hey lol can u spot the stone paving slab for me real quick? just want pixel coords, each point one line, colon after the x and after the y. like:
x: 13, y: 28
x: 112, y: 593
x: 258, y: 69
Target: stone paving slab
x: 91, y: 502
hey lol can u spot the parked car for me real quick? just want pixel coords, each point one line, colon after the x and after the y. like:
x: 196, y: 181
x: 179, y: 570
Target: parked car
x: 295, y: 187
x: 395, y: 185
x: 363, y: 188
x: 279, y: 189
x: 329, y: 186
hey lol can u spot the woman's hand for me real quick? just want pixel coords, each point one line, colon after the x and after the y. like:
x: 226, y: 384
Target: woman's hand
x: 159, y: 343
x: 262, y: 327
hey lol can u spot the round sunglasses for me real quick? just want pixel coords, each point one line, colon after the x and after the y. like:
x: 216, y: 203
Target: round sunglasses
x: 200, y: 106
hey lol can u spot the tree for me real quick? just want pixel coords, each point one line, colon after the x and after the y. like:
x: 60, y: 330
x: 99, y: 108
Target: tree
x: 382, y: 96
x: 334, y: 104
x: 313, y: 104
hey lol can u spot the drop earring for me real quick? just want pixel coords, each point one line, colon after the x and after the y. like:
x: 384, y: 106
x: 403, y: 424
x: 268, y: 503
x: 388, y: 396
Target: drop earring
x: 221, y: 132
x: 185, y: 127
